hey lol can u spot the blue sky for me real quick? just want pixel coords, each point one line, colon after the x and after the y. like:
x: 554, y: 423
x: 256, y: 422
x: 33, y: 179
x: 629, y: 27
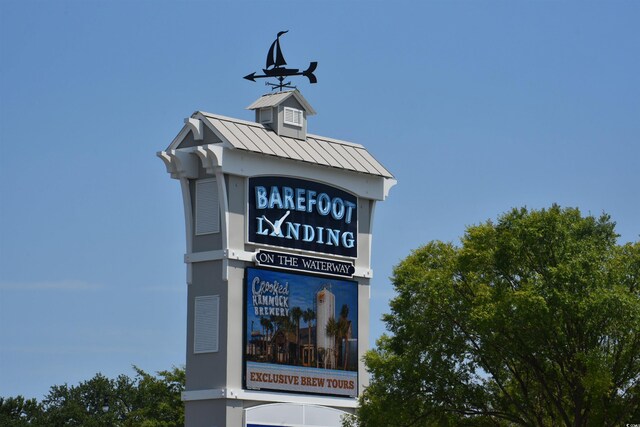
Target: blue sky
x: 476, y: 107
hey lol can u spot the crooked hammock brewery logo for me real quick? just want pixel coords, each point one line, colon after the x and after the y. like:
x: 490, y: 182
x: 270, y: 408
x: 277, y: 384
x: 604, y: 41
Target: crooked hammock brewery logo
x: 300, y: 214
x: 269, y: 298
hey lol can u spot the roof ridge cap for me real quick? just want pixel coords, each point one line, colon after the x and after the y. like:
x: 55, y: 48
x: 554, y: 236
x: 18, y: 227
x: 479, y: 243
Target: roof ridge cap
x: 230, y: 119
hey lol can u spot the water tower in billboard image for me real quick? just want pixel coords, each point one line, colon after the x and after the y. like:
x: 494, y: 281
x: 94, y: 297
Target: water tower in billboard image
x: 278, y: 256
x: 326, y: 310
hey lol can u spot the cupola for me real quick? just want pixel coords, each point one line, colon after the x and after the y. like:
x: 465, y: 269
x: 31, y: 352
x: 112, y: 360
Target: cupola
x: 284, y: 112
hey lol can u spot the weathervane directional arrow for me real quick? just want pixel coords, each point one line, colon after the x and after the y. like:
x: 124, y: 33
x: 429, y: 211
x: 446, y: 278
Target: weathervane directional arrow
x: 275, y: 68
x: 285, y: 72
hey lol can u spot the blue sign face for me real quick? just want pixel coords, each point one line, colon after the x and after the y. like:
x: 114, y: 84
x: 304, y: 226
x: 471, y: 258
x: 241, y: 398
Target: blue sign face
x: 300, y: 214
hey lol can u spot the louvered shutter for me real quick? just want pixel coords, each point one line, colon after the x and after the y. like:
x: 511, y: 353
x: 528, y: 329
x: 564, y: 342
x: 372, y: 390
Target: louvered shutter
x: 266, y: 115
x: 207, y: 207
x: 292, y: 116
x: 206, y: 318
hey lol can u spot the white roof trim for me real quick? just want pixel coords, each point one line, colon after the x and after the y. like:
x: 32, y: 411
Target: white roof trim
x: 261, y: 126
x: 248, y: 136
x: 273, y: 99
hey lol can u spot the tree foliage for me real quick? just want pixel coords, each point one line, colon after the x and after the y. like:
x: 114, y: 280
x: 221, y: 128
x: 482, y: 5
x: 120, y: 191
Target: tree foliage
x: 18, y: 411
x: 145, y: 400
x: 533, y: 320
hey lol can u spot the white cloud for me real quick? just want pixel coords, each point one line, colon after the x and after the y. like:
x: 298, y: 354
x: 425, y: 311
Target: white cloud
x: 60, y: 285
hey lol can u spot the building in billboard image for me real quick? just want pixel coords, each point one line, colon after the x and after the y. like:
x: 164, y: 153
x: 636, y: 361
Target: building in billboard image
x: 326, y: 321
x: 278, y: 226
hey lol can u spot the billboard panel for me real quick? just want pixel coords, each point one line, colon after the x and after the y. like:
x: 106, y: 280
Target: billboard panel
x: 301, y: 214
x: 301, y: 333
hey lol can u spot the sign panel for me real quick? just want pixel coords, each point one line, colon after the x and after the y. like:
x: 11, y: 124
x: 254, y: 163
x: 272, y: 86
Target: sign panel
x: 300, y: 214
x: 305, y: 263
x: 301, y: 333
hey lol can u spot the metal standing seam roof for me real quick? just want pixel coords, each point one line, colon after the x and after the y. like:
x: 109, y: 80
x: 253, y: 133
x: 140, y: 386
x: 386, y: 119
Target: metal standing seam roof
x: 273, y: 99
x: 319, y: 150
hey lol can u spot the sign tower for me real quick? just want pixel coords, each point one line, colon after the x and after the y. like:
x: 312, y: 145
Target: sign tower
x: 278, y: 236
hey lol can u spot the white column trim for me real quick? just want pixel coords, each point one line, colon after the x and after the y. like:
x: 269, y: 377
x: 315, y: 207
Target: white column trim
x: 366, y: 273
x: 260, y: 396
x: 224, y: 206
x: 188, y: 221
x: 370, y: 230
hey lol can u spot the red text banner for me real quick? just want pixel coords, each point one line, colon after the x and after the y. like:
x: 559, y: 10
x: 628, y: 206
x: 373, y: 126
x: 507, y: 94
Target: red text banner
x: 307, y: 380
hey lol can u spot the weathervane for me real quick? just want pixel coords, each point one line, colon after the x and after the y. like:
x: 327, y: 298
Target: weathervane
x: 276, y: 68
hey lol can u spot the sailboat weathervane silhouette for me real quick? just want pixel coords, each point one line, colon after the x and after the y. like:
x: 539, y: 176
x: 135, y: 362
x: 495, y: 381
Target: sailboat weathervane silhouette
x: 276, y: 68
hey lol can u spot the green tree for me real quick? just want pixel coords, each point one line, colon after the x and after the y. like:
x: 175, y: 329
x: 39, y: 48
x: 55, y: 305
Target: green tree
x: 18, y: 411
x: 145, y: 400
x: 157, y: 400
x: 533, y: 320
x: 80, y: 405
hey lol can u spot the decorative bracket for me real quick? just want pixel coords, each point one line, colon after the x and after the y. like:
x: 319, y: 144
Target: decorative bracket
x: 179, y: 164
x: 211, y: 157
x: 196, y: 126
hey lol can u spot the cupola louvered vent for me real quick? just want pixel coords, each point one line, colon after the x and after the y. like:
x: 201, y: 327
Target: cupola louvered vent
x: 293, y: 116
x: 206, y: 327
x: 266, y: 115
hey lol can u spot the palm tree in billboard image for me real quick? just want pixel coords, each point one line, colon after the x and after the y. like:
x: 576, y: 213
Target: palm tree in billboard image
x: 344, y: 327
x: 332, y: 331
x: 309, y: 316
x: 266, y: 325
x: 285, y: 329
x: 296, y: 314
